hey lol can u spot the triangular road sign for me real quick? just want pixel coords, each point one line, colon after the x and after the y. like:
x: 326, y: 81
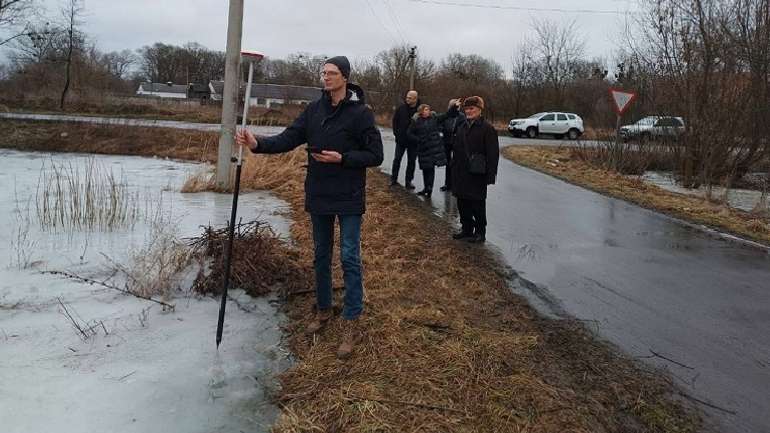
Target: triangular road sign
x: 622, y: 100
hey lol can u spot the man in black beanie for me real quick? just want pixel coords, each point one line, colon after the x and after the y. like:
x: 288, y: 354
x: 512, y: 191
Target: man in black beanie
x: 342, y: 142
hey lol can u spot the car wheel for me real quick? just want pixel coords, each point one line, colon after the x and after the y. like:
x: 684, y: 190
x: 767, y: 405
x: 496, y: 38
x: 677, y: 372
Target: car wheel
x: 532, y: 132
x: 573, y: 134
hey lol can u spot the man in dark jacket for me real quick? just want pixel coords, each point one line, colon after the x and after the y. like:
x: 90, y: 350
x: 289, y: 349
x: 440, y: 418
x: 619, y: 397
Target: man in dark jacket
x: 402, y: 118
x: 342, y: 142
x: 474, y: 138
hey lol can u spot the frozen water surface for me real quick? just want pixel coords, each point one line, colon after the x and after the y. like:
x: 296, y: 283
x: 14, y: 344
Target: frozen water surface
x: 144, y: 369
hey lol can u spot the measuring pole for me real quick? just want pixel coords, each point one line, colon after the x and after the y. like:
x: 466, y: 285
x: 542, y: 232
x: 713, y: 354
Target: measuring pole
x: 250, y: 56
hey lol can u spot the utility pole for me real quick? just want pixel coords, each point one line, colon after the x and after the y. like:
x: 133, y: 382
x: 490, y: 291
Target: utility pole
x: 230, y: 94
x: 413, y: 59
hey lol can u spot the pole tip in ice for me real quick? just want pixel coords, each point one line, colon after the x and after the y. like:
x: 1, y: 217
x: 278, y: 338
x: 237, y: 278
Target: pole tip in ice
x: 252, y: 55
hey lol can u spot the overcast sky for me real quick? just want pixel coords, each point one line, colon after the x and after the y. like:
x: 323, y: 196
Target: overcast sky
x: 356, y: 28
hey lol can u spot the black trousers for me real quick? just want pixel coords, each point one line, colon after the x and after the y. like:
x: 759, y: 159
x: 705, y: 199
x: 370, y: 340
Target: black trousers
x: 428, y: 175
x: 473, y: 216
x: 411, y: 157
x: 448, y: 176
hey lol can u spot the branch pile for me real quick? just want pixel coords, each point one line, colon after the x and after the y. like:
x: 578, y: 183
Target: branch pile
x: 261, y: 261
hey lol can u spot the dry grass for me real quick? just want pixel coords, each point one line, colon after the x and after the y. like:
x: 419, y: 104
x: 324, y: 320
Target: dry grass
x: 136, y: 108
x: 448, y: 347
x: 111, y: 140
x: 71, y: 198
x: 154, y: 270
x: 559, y: 162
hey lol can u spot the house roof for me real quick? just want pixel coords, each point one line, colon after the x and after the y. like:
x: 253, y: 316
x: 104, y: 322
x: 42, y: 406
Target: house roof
x: 275, y: 91
x: 163, y: 87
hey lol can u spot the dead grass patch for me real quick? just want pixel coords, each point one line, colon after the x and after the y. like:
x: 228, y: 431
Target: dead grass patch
x: 559, y: 162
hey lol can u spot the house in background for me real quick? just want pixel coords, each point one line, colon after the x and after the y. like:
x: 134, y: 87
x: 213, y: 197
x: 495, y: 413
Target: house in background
x: 269, y: 95
x: 163, y: 90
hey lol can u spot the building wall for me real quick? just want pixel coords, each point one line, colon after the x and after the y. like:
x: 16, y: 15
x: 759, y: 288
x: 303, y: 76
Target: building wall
x: 162, y: 94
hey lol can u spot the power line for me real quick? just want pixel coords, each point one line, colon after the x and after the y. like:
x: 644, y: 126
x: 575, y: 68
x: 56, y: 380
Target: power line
x: 520, y: 8
x: 395, y: 19
x: 392, y: 36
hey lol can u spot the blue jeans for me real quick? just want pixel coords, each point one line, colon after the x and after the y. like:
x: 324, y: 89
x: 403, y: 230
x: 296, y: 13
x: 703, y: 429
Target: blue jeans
x: 350, y: 256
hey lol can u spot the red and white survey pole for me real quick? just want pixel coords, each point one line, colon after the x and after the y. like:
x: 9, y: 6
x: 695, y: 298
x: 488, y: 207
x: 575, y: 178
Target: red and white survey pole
x: 251, y: 57
x: 621, y: 101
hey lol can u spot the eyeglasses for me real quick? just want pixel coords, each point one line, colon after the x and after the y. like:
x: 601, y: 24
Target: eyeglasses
x: 330, y: 74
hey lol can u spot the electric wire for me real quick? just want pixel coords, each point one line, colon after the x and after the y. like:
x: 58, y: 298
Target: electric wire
x: 394, y: 17
x: 521, y: 8
x: 390, y: 33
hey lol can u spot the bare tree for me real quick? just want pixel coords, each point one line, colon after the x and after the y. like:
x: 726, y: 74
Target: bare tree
x: 118, y: 64
x: 12, y: 13
x: 555, y: 51
x: 72, y: 13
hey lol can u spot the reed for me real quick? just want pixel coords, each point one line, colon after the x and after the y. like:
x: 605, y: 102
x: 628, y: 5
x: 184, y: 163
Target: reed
x: 84, y: 198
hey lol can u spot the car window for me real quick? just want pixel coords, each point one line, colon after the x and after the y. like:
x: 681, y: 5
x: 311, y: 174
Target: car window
x: 561, y: 117
x: 646, y: 121
x: 571, y: 116
x: 547, y: 117
x: 665, y: 122
x: 676, y: 122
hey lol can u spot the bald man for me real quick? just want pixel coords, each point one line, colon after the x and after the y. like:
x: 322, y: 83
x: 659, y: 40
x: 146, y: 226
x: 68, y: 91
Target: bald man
x: 401, y: 120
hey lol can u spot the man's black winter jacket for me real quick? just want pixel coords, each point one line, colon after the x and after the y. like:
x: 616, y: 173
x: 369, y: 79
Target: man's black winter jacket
x: 348, y: 128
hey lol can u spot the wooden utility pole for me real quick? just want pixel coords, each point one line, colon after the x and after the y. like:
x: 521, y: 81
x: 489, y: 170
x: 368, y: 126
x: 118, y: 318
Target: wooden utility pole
x: 413, y: 59
x: 230, y: 95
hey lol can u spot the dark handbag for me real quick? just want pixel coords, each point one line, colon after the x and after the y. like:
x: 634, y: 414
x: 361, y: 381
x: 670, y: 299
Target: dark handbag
x: 477, y: 164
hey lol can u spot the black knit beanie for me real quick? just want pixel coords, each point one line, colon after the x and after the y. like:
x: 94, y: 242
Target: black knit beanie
x: 342, y: 63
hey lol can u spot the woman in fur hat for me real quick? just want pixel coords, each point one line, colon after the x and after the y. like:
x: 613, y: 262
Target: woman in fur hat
x: 425, y: 130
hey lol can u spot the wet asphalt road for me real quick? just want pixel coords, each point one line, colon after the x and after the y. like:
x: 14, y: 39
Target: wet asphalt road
x: 643, y: 281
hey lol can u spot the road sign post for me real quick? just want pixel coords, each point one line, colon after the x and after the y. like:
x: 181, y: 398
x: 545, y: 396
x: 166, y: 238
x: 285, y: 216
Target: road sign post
x: 621, y: 101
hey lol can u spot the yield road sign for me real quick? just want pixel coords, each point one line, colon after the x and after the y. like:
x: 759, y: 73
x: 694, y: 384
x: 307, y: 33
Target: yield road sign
x: 622, y: 100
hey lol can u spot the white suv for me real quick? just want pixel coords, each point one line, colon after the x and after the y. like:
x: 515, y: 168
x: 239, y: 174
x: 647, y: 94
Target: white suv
x: 553, y: 123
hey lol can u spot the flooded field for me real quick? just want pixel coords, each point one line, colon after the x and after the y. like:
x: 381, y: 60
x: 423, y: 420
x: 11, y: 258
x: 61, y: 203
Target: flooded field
x: 743, y: 199
x: 92, y: 359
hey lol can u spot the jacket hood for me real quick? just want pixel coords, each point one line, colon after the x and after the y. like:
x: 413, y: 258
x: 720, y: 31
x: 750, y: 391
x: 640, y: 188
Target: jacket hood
x: 355, y: 94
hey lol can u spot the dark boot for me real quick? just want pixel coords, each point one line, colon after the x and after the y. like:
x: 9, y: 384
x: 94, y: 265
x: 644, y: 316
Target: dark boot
x: 478, y: 238
x: 462, y: 235
x: 409, y: 185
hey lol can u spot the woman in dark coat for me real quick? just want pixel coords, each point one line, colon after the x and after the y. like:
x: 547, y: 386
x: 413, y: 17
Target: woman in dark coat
x: 426, y: 131
x: 474, y: 139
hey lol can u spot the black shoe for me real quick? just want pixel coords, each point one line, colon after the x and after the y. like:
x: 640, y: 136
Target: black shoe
x: 477, y: 239
x: 462, y: 235
x: 394, y: 183
x: 409, y: 185
x: 425, y: 192
x: 444, y: 188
